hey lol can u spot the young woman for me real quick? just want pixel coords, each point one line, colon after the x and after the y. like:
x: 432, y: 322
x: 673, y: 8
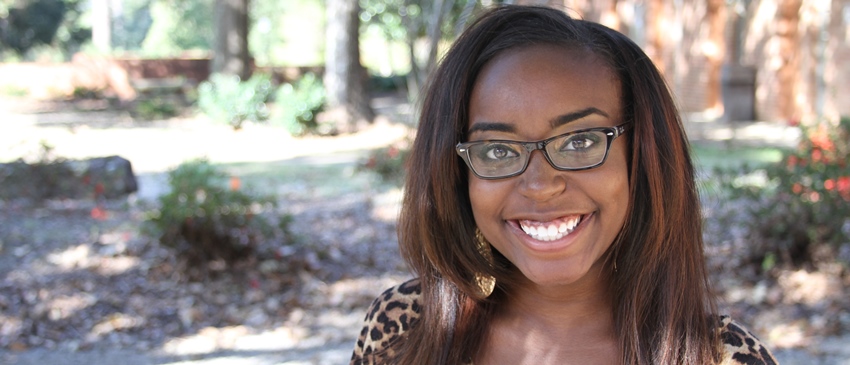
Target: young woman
x: 551, y: 215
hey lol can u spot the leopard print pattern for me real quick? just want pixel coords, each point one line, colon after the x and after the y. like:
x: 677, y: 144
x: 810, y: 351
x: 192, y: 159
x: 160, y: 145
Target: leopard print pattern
x: 397, y: 309
x: 740, y: 346
x: 390, y: 315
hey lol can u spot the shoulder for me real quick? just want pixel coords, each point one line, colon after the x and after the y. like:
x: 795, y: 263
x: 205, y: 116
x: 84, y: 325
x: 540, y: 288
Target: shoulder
x: 390, y: 315
x: 740, y: 346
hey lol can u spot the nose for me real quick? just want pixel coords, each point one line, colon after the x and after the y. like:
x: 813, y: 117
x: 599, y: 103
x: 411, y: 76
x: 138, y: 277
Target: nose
x: 541, y: 181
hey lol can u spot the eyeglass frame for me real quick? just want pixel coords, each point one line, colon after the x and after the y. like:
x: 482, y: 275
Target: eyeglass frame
x: 611, y: 133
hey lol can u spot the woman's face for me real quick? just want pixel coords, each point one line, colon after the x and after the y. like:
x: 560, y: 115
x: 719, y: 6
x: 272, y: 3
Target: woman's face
x: 532, y: 94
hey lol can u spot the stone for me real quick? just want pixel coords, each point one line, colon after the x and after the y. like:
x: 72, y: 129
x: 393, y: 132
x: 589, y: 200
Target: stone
x: 102, y: 177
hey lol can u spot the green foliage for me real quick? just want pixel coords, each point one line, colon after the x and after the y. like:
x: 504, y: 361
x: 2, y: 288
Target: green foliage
x: 227, y: 99
x: 87, y: 93
x: 800, y: 203
x: 179, y: 25
x: 297, y: 105
x: 389, y: 163
x: 135, y: 21
x: 50, y: 26
x: 155, y: 108
x: 287, y: 32
x: 393, y: 83
x: 13, y: 90
x: 207, y: 217
x: 35, y: 22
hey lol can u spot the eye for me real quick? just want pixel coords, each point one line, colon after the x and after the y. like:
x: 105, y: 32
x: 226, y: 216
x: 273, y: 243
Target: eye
x: 580, y: 142
x: 499, y: 151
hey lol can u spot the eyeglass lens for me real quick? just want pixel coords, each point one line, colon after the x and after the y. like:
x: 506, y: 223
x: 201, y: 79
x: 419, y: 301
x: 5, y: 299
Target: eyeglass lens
x: 573, y: 151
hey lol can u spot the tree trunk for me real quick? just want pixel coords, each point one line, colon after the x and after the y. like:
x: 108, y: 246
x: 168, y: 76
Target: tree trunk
x: 430, y: 21
x: 716, y: 18
x: 231, y: 39
x: 345, y: 78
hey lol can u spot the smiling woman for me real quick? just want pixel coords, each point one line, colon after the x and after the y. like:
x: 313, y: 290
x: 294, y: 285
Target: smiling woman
x: 588, y: 252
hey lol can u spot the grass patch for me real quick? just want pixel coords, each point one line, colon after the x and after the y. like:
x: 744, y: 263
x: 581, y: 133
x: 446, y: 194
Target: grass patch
x: 14, y: 91
x: 711, y: 156
x: 324, y: 176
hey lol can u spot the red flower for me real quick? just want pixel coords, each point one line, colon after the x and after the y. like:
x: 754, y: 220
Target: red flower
x: 844, y: 184
x: 820, y: 139
x: 816, y: 155
x: 829, y: 184
x: 814, y: 196
x: 792, y: 161
x: 797, y: 188
x: 392, y: 152
x: 235, y: 183
x: 98, y: 213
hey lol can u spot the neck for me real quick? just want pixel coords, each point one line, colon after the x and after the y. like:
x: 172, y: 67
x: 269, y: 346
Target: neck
x: 570, y: 308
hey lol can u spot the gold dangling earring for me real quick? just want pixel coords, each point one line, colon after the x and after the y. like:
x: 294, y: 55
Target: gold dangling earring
x: 486, y: 283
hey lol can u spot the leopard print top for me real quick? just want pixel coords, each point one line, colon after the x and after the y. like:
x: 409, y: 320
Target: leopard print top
x: 397, y: 309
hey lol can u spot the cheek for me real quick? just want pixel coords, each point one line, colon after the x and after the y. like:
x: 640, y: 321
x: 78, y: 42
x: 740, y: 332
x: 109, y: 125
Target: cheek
x: 485, y: 197
x: 618, y: 192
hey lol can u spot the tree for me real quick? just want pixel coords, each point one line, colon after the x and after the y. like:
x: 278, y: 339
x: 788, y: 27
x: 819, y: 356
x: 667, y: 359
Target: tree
x: 345, y: 77
x: 230, y: 53
x: 421, y: 25
x: 33, y: 23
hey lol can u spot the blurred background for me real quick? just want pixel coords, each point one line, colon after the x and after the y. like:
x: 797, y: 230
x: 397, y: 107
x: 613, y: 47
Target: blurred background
x: 218, y: 181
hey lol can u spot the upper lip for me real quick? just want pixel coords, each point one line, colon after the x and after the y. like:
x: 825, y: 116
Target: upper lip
x: 544, y: 217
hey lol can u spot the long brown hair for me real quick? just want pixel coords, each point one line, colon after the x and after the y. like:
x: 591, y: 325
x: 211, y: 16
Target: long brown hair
x: 664, y: 313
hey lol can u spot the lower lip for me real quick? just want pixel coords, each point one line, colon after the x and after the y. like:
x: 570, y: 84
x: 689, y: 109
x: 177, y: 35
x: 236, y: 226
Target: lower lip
x: 551, y: 246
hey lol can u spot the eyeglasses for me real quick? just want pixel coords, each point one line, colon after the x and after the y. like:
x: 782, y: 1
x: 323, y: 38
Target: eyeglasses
x: 577, y: 150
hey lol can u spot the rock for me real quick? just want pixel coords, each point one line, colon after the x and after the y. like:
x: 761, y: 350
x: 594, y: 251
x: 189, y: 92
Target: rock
x: 102, y: 177
x: 110, y: 176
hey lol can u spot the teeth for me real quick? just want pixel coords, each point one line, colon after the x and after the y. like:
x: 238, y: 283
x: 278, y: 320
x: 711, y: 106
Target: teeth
x: 549, y: 231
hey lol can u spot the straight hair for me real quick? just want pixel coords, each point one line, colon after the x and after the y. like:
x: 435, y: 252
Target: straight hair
x: 663, y: 310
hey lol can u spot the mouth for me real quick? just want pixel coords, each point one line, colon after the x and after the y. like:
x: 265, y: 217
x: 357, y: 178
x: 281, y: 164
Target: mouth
x: 551, y: 230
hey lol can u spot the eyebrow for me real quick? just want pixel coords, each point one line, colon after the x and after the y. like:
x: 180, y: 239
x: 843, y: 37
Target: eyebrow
x: 555, y: 122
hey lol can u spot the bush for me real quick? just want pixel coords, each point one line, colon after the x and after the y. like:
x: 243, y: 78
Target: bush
x: 228, y: 99
x: 297, y: 105
x: 155, y: 109
x: 802, y: 202
x: 389, y: 163
x: 48, y: 177
x: 207, y: 217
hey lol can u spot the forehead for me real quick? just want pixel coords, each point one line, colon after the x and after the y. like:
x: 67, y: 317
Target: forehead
x: 543, y: 82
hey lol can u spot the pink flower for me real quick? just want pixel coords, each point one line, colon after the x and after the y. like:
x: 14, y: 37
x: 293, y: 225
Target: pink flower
x: 98, y: 213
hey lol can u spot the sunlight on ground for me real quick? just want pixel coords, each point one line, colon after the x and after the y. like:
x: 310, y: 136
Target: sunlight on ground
x: 330, y: 334
x: 66, y: 306
x: 387, y: 205
x: 210, y: 339
x: 165, y: 145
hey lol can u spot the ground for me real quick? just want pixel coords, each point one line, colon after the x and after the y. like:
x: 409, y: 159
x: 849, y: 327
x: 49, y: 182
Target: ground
x: 75, y: 289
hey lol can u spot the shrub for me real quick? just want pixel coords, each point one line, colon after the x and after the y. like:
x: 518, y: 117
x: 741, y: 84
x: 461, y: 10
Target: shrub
x: 228, y: 99
x: 800, y: 203
x: 297, y: 105
x: 87, y: 93
x: 155, y: 109
x: 208, y: 217
x: 389, y: 163
x: 47, y: 177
